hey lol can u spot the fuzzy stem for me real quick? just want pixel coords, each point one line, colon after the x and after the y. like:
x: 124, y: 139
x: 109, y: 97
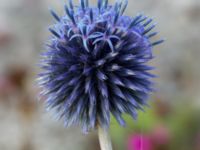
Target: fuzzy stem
x: 104, y: 139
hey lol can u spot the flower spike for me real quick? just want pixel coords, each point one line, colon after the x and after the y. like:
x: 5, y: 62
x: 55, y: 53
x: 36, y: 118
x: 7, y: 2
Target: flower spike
x: 54, y: 15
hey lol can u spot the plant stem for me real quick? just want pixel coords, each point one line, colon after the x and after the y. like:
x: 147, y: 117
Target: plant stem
x: 104, y: 139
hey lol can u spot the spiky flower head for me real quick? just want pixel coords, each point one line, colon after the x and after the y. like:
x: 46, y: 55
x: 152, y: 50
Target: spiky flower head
x: 96, y: 64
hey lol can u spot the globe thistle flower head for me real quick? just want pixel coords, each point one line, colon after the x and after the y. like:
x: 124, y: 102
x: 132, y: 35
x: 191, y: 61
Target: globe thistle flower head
x: 95, y: 64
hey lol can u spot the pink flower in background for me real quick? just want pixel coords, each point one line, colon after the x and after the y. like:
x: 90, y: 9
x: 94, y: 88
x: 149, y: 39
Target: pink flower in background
x: 161, y: 135
x: 197, y: 141
x: 5, y: 37
x: 140, y: 142
x: 158, y: 139
x: 6, y: 87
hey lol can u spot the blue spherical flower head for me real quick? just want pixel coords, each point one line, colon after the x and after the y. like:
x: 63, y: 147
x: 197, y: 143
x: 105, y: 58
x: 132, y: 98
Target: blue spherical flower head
x: 96, y: 64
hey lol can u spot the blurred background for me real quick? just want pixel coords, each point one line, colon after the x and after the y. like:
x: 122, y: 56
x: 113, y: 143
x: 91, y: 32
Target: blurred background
x: 171, y: 123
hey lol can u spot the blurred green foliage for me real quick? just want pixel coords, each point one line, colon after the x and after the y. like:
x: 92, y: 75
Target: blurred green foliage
x: 182, y: 122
